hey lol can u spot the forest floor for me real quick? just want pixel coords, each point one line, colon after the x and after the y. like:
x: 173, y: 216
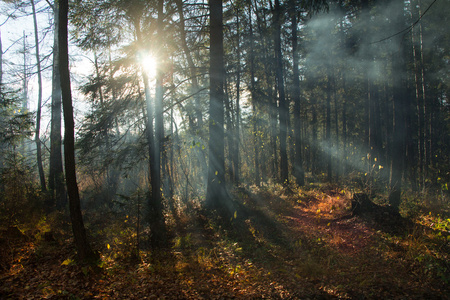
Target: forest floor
x: 300, y: 244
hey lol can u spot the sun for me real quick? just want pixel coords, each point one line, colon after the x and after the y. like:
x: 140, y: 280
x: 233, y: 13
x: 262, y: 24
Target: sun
x: 149, y: 64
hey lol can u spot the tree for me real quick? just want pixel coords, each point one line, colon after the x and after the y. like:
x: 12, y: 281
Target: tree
x: 155, y: 199
x: 37, y: 138
x: 216, y: 192
x: 157, y: 221
x: 192, y: 68
x: 399, y: 131
x: 256, y: 136
x: 237, y: 121
x: 84, y: 250
x: 299, y: 173
x: 328, y: 123
x: 56, y: 175
x: 283, y: 107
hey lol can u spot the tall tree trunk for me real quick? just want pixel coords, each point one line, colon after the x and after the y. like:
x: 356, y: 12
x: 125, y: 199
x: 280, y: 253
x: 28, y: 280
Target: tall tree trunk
x: 420, y: 93
x: 153, y: 168
x: 154, y: 136
x: 299, y: 173
x: 83, y: 248
x: 336, y: 127
x: 157, y: 221
x: 367, y: 101
x: 25, y: 74
x: 273, y: 130
x: 216, y: 190
x: 230, y: 131
x: 56, y: 175
x: 344, y: 126
x: 283, y: 107
x: 256, y: 135
x: 171, y: 164
x: 37, y: 133
x: 328, y: 125
x: 389, y: 127
x: 410, y: 143
x: 313, y: 146
x: 238, y: 108
x: 424, y: 104
x: 375, y: 139
x: 398, y: 149
x: 399, y: 130
x: 270, y: 102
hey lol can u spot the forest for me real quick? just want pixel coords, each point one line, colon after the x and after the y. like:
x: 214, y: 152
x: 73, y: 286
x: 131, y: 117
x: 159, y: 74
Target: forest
x: 224, y: 149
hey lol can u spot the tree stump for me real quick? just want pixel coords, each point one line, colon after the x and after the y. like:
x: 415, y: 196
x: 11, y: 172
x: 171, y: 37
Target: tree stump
x: 361, y: 204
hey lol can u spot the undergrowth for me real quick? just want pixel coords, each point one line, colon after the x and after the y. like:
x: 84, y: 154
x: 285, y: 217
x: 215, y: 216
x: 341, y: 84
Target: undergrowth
x: 278, y: 243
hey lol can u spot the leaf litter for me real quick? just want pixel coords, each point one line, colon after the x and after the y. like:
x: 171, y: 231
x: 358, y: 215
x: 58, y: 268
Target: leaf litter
x: 277, y: 245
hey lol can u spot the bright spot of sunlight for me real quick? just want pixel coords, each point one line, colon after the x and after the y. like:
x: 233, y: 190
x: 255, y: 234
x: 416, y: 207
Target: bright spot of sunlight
x: 149, y: 64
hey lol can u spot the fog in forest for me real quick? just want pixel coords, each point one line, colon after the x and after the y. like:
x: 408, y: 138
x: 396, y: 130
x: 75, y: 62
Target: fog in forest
x: 224, y: 148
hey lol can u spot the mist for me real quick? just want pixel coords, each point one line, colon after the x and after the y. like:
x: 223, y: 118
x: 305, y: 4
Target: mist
x: 259, y: 149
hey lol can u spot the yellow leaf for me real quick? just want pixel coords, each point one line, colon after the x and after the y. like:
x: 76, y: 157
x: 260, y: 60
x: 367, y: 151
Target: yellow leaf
x: 67, y: 262
x: 108, y: 246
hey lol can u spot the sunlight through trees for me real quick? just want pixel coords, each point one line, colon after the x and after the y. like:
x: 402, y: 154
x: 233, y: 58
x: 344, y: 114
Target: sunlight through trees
x: 176, y: 108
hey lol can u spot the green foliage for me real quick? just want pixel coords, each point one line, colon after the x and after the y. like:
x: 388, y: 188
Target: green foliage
x: 18, y: 191
x: 15, y: 121
x: 183, y: 242
x: 21, y: 197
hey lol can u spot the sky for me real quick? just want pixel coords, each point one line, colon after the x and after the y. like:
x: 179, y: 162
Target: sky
x: 12, y: 31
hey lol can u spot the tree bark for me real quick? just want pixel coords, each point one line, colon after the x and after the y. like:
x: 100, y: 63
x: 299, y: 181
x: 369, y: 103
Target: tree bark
x: 84, y: 250
x: 25, y: 74
x: 255, y: 118
x: 299, y: 172
x: 399, y: 130
x: 328, y: 125
x: 283, y: 107
x: 157, y: 222
x: 336, y: 127
x: 37, y: 138
x: 344, y: 126
x: 313, y: 146
x: 367, y: 101
x: 230, y: 131
x: 236, y: 136
x: 155, y: 214
x: 56, y: 172
x: 420, y: 93
x: 216, y: 192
